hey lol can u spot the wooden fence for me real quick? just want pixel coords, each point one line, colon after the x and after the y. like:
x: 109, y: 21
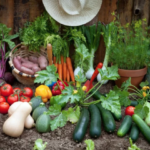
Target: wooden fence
x: 14, y: 13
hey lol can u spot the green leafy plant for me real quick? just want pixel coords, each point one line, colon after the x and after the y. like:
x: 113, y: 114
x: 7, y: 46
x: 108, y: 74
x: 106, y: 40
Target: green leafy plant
x: 133, y: 146
x: 5, y: 39
x: 90, y: 144
x: 39, y: 145
x: 130, y: 45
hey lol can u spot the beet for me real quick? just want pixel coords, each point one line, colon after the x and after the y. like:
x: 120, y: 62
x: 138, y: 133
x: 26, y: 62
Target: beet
x: 9, y: 78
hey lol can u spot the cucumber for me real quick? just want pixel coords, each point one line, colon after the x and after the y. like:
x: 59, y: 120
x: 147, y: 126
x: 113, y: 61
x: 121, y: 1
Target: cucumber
x: 95, y: 124
x: 43, y: 123
x: 134, y: 133
x: 97, y: 94
x: 35, y: 102
x: 143, y: 127
x: 117, y: 116
x: 81, y: 127
x: 134, y: 103
x: 107, y: 119
x: 125, y: 126
x: 38, y: 111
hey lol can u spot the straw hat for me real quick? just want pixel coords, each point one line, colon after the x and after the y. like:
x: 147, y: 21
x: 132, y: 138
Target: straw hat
x: 72, y: 12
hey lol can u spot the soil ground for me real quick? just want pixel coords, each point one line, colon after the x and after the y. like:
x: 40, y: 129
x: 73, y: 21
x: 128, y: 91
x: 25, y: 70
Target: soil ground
x: 61, y: 139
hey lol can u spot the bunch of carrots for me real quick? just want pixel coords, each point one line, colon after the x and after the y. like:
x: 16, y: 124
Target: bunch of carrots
x: 63, y: 63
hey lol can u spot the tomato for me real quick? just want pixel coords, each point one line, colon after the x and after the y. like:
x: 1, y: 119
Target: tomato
x: 2, y: 99
x: 129, y: 110
x: 25, y: 99
x: 27, y: 92
x: 17, y: 91
x: 12, y: 98
x: 4, y: 106
x: 6, y: 90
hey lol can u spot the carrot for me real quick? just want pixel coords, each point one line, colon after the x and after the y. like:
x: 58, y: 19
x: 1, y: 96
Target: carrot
x: 54, y: 60
x: 60, y: 70
x: 70, y: 68
x: 68, y: 75
x: 62, y: 60
x: 64, y: 71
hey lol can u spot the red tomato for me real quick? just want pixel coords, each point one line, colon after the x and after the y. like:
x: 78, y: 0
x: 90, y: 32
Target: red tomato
x: 25, y: 99
x: 4, y: 106
x: 27, y: 92
x: 12, y: 98
x: 17, y: 91
x: 6, y: 90
x: 2, y: 99
x: 129, y: 110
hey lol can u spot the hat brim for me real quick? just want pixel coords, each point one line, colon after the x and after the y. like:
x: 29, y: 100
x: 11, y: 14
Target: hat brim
x: 86, y: 15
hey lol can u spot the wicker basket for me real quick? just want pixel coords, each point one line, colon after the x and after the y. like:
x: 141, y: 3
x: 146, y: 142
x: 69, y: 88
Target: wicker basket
x: 21, y: 50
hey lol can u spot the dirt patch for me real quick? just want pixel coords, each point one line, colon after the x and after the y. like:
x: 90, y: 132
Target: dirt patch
x: 61, y: 139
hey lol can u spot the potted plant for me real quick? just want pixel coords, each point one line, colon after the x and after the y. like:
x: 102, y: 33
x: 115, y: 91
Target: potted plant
x: 130, y: 51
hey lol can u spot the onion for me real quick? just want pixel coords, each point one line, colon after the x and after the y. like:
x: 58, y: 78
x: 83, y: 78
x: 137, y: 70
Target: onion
x: 9, y: 78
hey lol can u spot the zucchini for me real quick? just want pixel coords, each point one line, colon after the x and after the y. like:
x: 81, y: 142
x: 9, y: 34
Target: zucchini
x: 43, y: 123
x: 81, y: 127
x: 38, y: 111
x: 125, y: 126
x: 97, y: 94
x: 134, y: 133
x: 117, y: 116
x: 143, y: 127
x: 107, y: 119
x: 134, y: 103
x: 95, y: 124
x: 35, y: 102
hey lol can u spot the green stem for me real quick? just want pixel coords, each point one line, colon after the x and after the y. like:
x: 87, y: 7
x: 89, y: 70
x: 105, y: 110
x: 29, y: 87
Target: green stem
x: 87, y: 104
x: 138, y: 93
x: 93, y: 92
x: 62, y: 82
x: 59, y: 87
x: 136, y: 88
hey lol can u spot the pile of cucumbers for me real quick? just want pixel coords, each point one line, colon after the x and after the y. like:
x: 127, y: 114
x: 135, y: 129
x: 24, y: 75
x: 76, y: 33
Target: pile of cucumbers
x: 95, y: 115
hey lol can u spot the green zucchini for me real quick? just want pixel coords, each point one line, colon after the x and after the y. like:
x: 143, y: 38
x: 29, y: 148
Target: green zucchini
x: 38, y: 111
x: 117, y: 116
x: 43, y: 123
x: 97, y: 94
x: 81, y: 127
x: 95, y: 124
x: 134, y: 133
x: 125, y: 126
x: 134, y: 103
x: 35, y: 102
x: 107, y: 119
x: 143, y: 127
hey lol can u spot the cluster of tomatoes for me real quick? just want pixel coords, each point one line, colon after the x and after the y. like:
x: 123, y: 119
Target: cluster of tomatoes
x: 8, y: 96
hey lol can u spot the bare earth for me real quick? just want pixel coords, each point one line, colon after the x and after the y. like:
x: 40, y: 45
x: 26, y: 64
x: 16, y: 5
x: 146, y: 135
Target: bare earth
x: 61, y: 139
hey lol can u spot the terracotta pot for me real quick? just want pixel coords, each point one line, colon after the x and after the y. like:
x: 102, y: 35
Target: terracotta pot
x: 136, y: 76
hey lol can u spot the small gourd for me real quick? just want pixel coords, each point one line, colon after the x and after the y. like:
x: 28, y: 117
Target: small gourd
x: 14, y: 125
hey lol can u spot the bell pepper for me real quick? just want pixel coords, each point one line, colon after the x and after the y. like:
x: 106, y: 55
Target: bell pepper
x: 58, y: 87
x: 44, y: 92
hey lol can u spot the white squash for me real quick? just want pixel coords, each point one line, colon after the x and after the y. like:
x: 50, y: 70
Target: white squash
x: 29, y: 122
x: 14, y: 125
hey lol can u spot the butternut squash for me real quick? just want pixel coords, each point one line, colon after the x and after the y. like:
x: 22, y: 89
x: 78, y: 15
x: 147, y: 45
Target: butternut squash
x: 14, y: 125
x: 29, y: 122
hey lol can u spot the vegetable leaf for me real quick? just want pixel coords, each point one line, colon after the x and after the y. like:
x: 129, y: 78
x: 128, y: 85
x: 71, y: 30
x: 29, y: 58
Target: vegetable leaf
x: 124, y: 98
x: 111, y: 102
x: 80, y: 77
x: 39, y: 145
x: 141, y: 110
x: 90, y: 144
x: 59, y: 121
x: 111, y: 73
x: 54, y: 110
x: 125, y: 85
x: 73, y: 115
x: 142, y: 84
x: 133, y: 146
x: 47, y: 76
x: 69, y: 95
